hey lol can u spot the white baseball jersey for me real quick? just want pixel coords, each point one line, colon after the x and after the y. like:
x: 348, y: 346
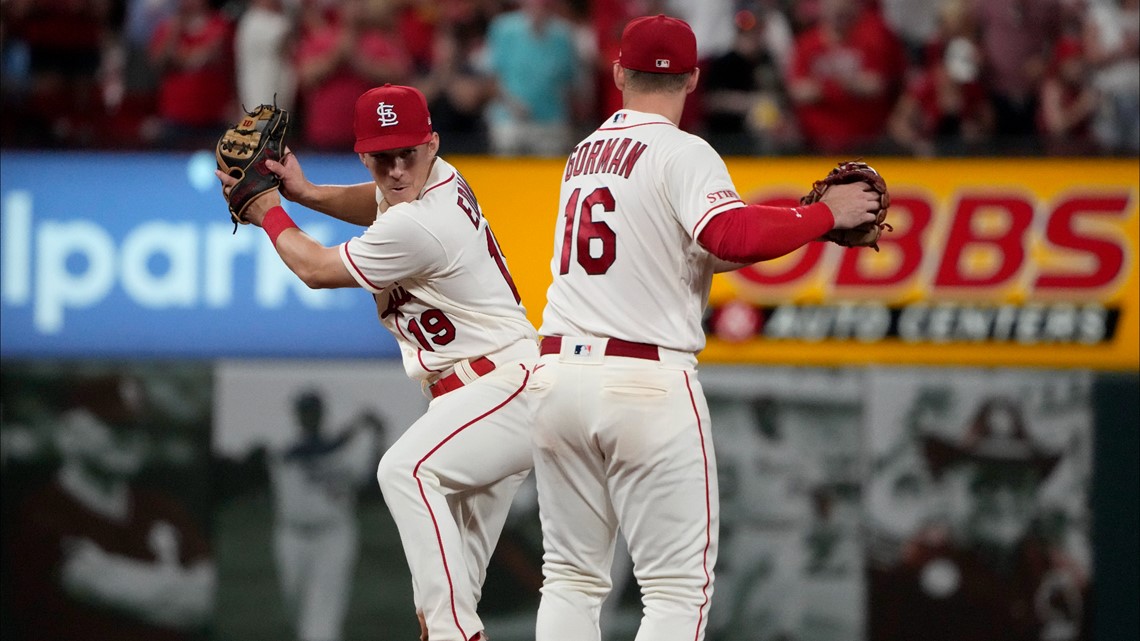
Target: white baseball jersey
x: 440, y: 282
x: 635, y: 195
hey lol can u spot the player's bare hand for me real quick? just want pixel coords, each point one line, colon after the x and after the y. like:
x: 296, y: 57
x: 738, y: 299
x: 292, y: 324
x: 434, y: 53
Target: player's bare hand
x: 852, y: 204
x: 294, y: 185
x: 255, y: 211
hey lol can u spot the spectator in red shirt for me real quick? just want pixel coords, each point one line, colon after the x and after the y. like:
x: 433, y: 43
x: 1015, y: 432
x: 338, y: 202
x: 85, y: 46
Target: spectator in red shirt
x: 945, y: 109
x: 193, y: 52
x: 1017, y: 37
x: 1069, y: 103
x: 64, y: 40
x: 346, y: 49
x: 843, y: 78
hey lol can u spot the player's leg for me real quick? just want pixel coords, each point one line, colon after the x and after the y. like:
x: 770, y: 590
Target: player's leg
x: 578, y: 523
x: 662, y: 479
x: 288, y: 553
x: 481, y: 514
x: 321, y: 615
x: 473, y: 437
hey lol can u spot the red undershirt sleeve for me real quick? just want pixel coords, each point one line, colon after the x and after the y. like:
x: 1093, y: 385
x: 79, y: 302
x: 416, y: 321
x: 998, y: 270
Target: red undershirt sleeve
x: 754, y: 233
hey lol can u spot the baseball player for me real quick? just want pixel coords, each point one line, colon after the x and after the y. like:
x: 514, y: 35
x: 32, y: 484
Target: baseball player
x: 315, y: 484
x: 442, y: 288
x: 646, y: 213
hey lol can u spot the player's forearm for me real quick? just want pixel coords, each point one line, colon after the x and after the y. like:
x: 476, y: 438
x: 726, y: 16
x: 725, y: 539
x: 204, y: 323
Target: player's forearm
x: 355, y: 204
x: 319, y: 267
x: 755, y: 232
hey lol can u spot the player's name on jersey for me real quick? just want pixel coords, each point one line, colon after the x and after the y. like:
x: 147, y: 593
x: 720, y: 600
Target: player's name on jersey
x: 616, y: 155
x: 943, y: 323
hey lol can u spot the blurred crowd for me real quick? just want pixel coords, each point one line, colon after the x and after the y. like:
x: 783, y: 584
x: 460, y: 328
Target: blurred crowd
x: 528, y: 77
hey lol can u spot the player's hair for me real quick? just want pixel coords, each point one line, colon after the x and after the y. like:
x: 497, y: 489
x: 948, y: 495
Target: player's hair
x: 647, y: 82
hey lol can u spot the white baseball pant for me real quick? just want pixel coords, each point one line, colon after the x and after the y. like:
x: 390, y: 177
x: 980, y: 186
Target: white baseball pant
x: 626, y: 441
x: 449, y: 482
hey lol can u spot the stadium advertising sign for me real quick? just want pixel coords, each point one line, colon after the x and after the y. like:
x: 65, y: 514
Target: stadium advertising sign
x: 132, y: 256
x: 989, y: 262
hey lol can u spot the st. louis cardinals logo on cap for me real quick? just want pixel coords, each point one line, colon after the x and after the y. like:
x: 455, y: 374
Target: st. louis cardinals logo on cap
x: 387, y: 115
x: 391, y: 117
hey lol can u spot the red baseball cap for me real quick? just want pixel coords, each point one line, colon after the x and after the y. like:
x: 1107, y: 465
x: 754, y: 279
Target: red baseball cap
x: 658, y: 44
x: 390, y: 117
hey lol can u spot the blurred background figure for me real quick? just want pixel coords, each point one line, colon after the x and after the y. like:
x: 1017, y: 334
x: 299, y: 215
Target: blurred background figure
x: 93, y: 555
x: 1112, y: 50
x: 532, y: 55
x: 998, y: 573
x: 945, y: 110
x: 192, y: 50
x: 263, y: 54
x: 62, y: 45
x: 457, y: 89
x: 1017, y: 39
x: 844, y: 76
x: 746, y: 107
x: 345, y: 49
x: 1068, y: 102
x: 316, y: 535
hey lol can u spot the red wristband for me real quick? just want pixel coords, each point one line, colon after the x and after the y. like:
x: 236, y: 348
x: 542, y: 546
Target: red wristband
x: 275, y: 222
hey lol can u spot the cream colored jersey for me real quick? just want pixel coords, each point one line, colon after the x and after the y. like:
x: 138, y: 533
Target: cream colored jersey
x: 635, y: 195
x: 439, y: 279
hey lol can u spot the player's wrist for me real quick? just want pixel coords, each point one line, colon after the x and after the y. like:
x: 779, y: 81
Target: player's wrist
x: 275, y: 221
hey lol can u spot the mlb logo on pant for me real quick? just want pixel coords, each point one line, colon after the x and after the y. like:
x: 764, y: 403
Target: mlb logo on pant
x: 582, y: 350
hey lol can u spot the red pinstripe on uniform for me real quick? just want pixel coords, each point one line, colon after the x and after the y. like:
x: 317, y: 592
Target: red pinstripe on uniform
x: 356, y: 268
x: 423, y: 495
x: 710, y: 210
x: 640, y: 124
x: 708, y: 507
x: 438, y: 184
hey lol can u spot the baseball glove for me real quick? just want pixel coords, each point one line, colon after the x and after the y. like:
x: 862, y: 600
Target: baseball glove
x: 867, y: 234
x: 242, y: 151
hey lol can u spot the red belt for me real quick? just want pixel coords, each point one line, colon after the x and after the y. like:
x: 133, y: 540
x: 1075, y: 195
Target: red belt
x: 481, y: 366
x: 614, y: 347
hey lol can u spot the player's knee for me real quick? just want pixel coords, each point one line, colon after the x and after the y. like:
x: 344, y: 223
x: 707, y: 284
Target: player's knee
x: 394, y: 471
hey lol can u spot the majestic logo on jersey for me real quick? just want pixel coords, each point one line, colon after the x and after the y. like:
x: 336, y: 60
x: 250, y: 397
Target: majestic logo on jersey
x: 662, y: 63
x: 387, y: 116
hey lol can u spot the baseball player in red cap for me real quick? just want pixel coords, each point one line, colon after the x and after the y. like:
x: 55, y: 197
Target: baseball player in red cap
x: 442, y: 288
x: 647, y: 213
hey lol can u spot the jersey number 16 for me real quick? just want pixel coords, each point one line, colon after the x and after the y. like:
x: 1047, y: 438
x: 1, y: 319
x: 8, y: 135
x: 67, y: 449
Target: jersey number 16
x: 589, y: 230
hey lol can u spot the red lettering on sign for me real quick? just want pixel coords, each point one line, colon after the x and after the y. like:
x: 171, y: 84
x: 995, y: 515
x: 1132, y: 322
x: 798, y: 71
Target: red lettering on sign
x: 1008, y: 245
x: 905, y: 239
x: 1108, y: 254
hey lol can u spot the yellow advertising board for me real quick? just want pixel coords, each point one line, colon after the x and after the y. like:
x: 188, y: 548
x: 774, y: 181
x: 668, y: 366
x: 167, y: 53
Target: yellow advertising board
x: 1004, y: 262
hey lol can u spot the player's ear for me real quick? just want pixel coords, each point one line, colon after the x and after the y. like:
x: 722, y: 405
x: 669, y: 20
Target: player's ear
x: 691, y: 85
x: 619, y: 77
x: 433, y: 144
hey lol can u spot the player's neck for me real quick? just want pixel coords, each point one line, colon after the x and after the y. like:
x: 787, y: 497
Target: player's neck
x: 662, y: 104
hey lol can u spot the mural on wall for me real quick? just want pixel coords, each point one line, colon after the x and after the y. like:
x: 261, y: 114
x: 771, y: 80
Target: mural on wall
x: 977, y: 504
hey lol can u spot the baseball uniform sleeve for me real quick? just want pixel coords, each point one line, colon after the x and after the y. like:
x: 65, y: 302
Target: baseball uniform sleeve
x: 697, y: 180
x: 395, y: 247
